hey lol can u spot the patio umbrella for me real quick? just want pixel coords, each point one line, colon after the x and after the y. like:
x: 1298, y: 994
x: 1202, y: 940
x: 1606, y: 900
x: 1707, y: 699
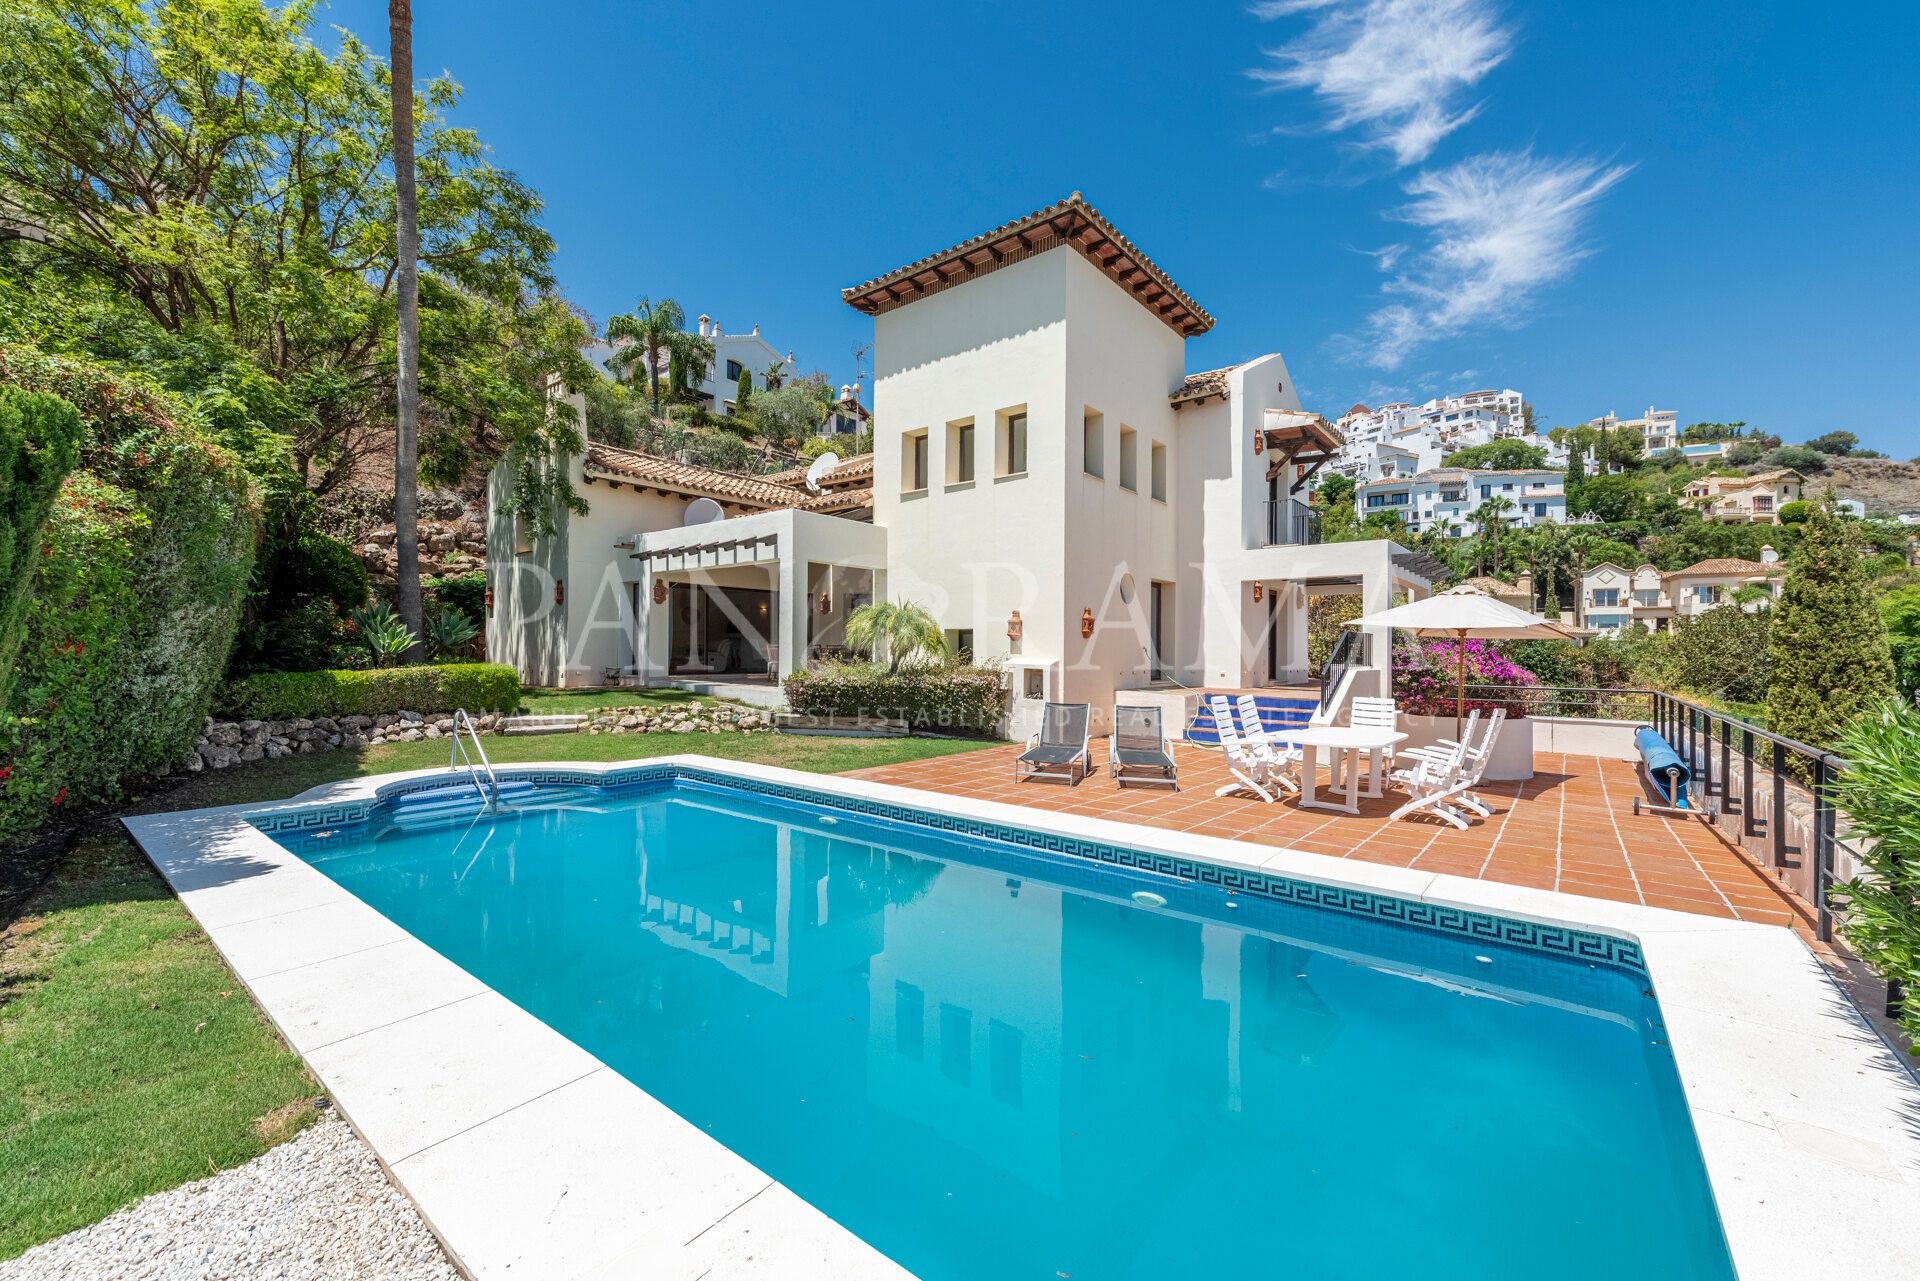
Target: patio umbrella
x: 1462, y: 612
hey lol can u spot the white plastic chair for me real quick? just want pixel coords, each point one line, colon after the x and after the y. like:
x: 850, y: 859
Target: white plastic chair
x: 1247, y: 762
x: 1446, y: 774
x: 1283, y: 760
x: 1376, y: 713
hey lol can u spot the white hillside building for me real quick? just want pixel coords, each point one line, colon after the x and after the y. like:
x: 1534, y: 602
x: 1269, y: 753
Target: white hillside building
x: 1047, y: 480
x: 1431, y: 432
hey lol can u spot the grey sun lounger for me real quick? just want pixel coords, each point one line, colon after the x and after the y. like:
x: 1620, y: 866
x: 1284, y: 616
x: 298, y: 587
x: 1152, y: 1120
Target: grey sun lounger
x: 1139, y: 745
x: 1062, y: 740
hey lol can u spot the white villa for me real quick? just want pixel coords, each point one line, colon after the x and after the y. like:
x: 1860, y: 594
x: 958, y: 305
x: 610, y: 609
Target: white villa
x: 1047, y: 480
x: 1447, y: 497
x: 1613, y: 599
x: 1402, y: 439
x: 1755, y: 499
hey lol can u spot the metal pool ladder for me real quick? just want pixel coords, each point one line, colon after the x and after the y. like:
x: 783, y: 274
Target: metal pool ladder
x: 459, y: 752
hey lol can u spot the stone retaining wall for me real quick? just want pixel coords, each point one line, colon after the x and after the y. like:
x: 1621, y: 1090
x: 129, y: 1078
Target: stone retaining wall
x: 224, y: 743
x: 677, y: 718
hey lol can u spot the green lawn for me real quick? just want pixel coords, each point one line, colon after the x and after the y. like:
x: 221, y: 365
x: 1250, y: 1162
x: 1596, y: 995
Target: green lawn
x: 132, y: 1060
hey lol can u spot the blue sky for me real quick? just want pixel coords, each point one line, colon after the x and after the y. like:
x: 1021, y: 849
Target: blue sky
x: 1709, y: 207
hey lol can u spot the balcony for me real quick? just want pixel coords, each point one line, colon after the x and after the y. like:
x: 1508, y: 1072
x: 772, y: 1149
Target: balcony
x: 1290, y: 524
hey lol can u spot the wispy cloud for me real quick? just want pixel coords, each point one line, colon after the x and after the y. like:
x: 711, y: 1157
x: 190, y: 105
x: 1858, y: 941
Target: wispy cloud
x: 1397, y: 69
x: 1502, y: 226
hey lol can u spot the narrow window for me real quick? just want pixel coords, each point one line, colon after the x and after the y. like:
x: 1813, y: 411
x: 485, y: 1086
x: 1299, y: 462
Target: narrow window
x: 1129, y: 461
x: 963, y: 460
x: 956, y: 1044
x: 1158, y: 465
x: 1013, y: 446
x: 909, y: 1021
x: 913, y: 462
x: 1093, y: 445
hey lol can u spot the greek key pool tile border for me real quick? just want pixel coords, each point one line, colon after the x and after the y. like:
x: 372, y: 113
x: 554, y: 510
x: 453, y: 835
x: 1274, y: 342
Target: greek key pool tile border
x: 1555, y: 940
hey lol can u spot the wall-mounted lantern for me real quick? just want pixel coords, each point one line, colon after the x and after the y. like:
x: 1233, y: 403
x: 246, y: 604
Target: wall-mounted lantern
x: 559, y: 591
x: 1014, y: 626
x: 1258, y: 591
x: 659, y: 591
x: 826, y: 603
x: 1259, y: 442
x: 1086, y: 624
x: 489, y: 600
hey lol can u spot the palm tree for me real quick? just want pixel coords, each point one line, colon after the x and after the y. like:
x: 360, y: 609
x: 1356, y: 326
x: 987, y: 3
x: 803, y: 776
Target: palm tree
x: 653, y: 327
x: 406, y: 435
x: 905, y: 629
x: 775, y: 374
x: 1492, y: 515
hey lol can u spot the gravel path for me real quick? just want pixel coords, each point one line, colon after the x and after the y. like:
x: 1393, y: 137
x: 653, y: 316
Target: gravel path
x: 318, y: 1208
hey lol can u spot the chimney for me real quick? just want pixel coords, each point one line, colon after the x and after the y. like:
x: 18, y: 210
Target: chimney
x: 756, y: 329
x: 1768, y: 556
x: 845, y: 391
x: 706, y: 325
x: 716, y: 330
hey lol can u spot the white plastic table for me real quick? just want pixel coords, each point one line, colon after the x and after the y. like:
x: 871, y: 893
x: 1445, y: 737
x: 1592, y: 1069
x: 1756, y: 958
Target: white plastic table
x: 1343, y: 745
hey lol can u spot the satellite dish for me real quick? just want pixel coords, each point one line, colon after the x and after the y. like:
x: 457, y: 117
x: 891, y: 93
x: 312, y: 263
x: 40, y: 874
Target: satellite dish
x: 817, y: 473
x: 702, y: 511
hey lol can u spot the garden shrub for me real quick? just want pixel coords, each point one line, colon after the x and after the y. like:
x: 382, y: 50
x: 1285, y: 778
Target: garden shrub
x: 972, y: 698
x: 1426, y: 678
x: 279, y: 696
x: 188, y: 517
x: 314, y: 567
x: 39, y: 445
x: 1796, y: 512
x: 1722, y: 654
x: 466, y: 593
x: 1879, y: 792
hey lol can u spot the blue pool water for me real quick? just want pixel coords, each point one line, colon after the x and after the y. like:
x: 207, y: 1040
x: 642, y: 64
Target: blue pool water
x: 994, y: 1063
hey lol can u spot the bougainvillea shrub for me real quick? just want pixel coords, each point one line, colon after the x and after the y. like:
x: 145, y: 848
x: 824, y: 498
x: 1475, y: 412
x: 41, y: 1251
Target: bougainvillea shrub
x: 1426, y: 676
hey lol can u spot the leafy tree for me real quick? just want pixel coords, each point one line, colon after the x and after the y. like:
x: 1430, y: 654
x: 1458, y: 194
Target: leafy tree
x: 39, y: 445
x: 1499, y: 455
x: 1335, y: 489
x: 788, y: 416
x: 199, y: 175
x: 1829, y: 646
x: 1745, y: 453
x: 1838, y: 443
x: 906, y: 630
x: 315, y: 567
x: 1796, y: 457
x: 1704, y: 433
x: 1613, y: 498
x: 1723, y: 653
x: 1900, y: 612
x: 1880, y: 791
x: 1576, y: 480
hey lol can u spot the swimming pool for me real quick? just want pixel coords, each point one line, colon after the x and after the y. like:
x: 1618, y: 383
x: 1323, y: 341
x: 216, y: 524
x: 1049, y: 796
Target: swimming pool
x: 991, y: 1059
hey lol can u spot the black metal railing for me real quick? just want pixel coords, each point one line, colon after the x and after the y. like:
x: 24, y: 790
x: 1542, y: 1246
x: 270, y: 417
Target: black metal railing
x: 1348, y: 652
x: 1290, y: 523
x: 1745, y: 776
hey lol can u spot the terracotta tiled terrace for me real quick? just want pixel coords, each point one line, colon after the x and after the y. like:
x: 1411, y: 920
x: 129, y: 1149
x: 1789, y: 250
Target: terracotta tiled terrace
x: 1570, y: 828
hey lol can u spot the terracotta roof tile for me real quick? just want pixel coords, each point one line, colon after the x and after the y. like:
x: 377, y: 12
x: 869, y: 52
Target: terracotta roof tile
x: 835, y: 500
x: 1199, y: 386
x: 1034, y: 234
x: 756, y: 491
x: 1723, y: 566
x: 849, y: 469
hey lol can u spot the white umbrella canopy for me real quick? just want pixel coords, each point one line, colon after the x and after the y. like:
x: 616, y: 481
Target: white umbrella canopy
x: 1460, y: 613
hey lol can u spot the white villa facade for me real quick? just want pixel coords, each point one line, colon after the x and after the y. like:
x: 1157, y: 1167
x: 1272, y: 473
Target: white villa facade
x: 1377, y: 439
x: 1447, y: 497
x: 1047, y: 481
x: 1613, y: 599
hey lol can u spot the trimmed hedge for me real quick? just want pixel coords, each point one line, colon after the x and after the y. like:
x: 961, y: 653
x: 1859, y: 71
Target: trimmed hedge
x: 39, y: 445
x: 964, y: 698
x: 280, y: 696
x: 137, y: 596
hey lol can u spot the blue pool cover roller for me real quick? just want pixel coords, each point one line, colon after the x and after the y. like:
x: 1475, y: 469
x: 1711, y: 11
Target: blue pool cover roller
x: 1668, y: 772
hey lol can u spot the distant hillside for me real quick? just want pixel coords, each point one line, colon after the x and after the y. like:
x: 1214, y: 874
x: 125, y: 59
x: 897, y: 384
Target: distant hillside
x: 1883, y: 484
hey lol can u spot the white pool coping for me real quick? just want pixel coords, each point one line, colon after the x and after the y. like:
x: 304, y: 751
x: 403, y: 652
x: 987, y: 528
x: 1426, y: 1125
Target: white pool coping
x: 531, y: 1159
